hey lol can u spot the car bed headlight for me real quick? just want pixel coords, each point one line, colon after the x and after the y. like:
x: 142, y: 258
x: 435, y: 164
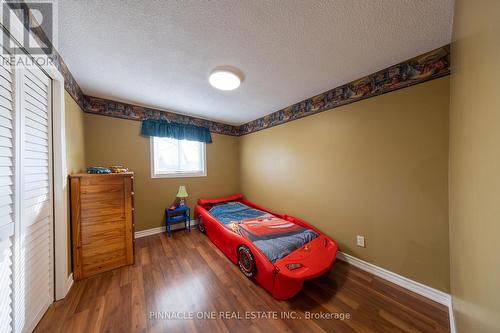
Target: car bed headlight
x: 292, y: 267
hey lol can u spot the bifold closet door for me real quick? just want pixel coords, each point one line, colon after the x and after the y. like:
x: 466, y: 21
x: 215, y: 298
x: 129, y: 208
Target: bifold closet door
x: 26, y: 210
x: 34, y: 264
x: 7, y: 197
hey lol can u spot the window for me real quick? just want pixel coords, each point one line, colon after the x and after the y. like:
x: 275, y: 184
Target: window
x: 172, y: 158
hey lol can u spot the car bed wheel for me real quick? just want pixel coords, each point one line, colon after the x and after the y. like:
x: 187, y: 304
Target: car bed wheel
x: 201, y: 226
x: 246, y: 261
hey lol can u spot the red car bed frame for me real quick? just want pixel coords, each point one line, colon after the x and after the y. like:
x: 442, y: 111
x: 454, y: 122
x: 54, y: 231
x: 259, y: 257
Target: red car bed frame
x: 285, y: 277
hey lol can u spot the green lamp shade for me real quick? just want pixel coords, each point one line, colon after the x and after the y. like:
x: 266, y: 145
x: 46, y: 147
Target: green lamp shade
x: 182, y: 192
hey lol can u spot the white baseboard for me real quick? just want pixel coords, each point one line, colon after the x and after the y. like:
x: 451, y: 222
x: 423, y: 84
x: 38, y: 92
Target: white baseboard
x: 69, y: 283
x: 417, y: 287
x: 453, y: 327
x: 159, y: 230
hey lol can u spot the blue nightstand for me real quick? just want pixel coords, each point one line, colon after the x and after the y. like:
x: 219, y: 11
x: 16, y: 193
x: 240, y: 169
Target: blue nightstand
x: 180, y: 214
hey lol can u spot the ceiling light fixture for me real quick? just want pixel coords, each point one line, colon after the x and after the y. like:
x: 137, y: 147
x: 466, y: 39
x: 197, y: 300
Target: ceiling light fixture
x: 225, y: 78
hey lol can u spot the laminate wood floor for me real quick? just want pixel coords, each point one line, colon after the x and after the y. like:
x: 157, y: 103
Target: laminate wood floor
x: 186, y: 275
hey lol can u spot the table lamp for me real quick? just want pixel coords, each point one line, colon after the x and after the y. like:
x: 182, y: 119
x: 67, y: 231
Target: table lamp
x: 181, y: 195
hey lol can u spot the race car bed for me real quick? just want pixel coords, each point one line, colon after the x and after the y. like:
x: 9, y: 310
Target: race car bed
x: 277, y: 250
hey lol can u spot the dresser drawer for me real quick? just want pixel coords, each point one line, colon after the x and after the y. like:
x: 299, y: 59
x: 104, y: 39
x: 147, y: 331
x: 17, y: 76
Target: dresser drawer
x: 102, y: 189
x: 105, y: 180
x: 88, y: 221
x: 92, y: 211
x: 102, y: 247
x: 108, y: 198
x: 103, y: 232
x: 102, y: 207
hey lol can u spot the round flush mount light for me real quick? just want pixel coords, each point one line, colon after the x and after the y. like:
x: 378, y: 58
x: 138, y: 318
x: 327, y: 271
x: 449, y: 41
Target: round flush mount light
x: 225, y: 78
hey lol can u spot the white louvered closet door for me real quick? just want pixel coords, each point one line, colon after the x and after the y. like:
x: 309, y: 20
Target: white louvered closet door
x: 26, y: 209
x: 34, y: 264
x: 7, y: 197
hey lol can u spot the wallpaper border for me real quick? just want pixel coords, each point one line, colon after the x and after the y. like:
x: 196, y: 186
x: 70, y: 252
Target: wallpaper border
x: 105, y: 107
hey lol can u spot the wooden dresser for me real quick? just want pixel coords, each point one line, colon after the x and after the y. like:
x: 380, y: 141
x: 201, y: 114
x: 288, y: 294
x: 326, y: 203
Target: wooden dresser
x: 102, y: 220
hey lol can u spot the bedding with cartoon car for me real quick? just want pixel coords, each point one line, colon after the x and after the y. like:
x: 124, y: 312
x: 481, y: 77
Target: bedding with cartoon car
x: 275, y: 237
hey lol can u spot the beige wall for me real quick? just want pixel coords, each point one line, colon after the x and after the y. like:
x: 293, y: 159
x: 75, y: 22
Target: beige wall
x: 475, y: 166
x: 75, y: 149
x: 75, y: 136
x: 111, y: 141
x: 377, y: 168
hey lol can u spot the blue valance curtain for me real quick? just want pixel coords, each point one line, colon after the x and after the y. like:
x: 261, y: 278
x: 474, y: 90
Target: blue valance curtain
x: 166, y: 129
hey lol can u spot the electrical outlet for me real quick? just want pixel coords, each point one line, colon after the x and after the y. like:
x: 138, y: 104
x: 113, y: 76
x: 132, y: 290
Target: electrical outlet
x: 360, y: 241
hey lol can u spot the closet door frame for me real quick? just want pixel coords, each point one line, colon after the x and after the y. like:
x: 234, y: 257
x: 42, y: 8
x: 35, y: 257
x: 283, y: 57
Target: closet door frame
x: 63, y: 278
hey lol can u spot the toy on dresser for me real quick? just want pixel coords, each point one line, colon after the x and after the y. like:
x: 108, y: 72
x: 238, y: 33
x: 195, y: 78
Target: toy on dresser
x: 111, y: 169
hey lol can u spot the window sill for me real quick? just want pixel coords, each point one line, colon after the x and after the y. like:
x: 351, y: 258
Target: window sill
x: 179, y: 175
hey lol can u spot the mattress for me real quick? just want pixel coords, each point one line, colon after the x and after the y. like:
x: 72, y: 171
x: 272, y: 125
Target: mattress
x: 275, y: 237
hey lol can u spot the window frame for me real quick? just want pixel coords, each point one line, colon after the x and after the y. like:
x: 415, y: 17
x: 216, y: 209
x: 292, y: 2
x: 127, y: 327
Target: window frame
x: 189, y: 174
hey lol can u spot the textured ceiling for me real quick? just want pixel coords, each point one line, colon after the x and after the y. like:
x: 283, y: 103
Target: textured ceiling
x: 159, y: 53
